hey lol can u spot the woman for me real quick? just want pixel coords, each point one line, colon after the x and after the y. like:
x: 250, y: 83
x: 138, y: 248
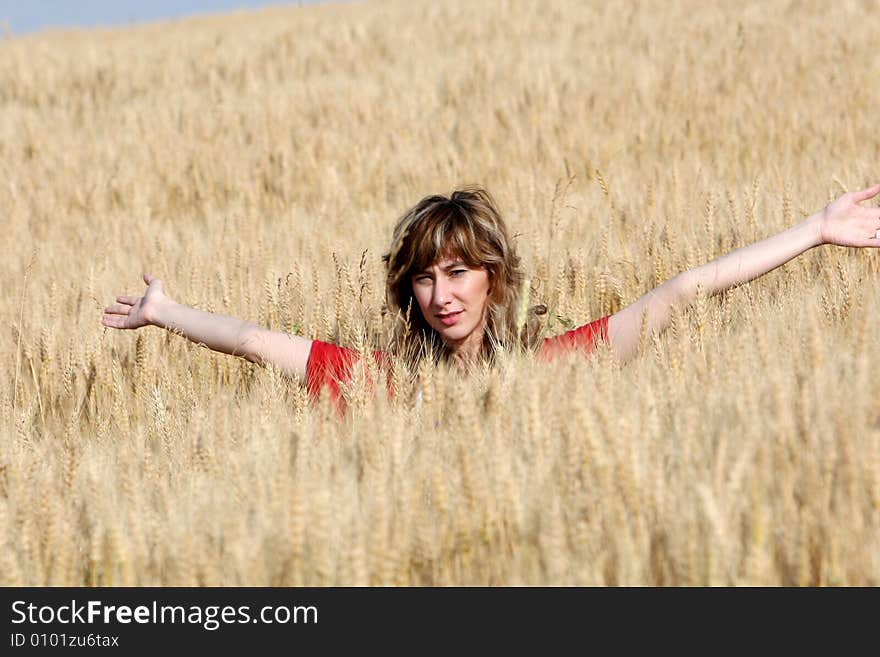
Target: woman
x: 455, y: 279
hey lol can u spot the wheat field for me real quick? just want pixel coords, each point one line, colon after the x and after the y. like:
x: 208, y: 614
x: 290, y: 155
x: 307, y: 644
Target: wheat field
x: 257, y: 162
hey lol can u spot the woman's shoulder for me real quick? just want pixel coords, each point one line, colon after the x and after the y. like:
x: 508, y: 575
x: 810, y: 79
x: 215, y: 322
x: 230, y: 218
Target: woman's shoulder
x: 330, y: 365
x: 330, y: 361
x: 582, y: 338
x: 330, y: 355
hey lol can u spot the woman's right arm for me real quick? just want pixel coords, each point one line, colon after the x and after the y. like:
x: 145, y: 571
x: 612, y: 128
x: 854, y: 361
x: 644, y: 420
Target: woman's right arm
x: 228, y: 335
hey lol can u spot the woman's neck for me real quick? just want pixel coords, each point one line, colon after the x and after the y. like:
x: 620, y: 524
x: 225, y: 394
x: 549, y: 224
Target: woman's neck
x: 465, y: 353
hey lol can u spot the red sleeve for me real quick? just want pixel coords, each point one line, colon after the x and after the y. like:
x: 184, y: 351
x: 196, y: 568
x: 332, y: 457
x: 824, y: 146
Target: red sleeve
x: 330, y: 365
x: 583, y: 339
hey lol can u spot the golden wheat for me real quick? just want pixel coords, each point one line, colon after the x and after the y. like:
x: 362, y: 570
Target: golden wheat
x: 258, y: 163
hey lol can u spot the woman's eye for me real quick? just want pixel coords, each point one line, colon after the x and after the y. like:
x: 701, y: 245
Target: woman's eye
x: 425, y: 278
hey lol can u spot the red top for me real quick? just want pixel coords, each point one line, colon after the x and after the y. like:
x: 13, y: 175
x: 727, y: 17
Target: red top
x: 329, y: 365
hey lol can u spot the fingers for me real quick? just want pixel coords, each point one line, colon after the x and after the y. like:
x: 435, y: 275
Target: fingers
x: 154, y: 282
x: 130, y: 301
x: 117, y: 310
x: 865, y: 194
x: 113, y: 321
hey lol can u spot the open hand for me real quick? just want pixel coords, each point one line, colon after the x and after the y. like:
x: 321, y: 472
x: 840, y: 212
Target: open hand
x: 845, y: 223
x: 134, y: 312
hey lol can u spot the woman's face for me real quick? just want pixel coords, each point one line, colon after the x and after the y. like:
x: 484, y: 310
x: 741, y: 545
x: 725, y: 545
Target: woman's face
x: 453, y: 297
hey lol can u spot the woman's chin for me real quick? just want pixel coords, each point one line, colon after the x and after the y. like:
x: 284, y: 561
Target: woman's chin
x: 453, y: 333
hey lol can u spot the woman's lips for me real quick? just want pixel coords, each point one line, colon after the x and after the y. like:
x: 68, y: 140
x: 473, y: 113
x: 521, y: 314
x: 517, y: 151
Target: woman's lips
x: 450, y: 319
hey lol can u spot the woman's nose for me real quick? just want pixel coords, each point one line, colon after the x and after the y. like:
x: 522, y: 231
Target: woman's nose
x: 441, y: 293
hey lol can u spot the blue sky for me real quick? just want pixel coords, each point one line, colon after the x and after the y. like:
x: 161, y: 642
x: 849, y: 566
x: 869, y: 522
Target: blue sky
x: 23, y: 16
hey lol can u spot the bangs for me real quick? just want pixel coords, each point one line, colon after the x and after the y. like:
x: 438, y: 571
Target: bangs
x: 445, y: 235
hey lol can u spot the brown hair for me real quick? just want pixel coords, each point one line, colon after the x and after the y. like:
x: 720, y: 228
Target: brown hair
x: 467, y: 225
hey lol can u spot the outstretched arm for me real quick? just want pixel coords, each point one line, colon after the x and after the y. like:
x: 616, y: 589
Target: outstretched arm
x: 843, y: 222
x: 229, y: 335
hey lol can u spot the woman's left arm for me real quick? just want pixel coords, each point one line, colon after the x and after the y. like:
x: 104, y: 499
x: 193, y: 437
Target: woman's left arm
x: 843, y: 222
